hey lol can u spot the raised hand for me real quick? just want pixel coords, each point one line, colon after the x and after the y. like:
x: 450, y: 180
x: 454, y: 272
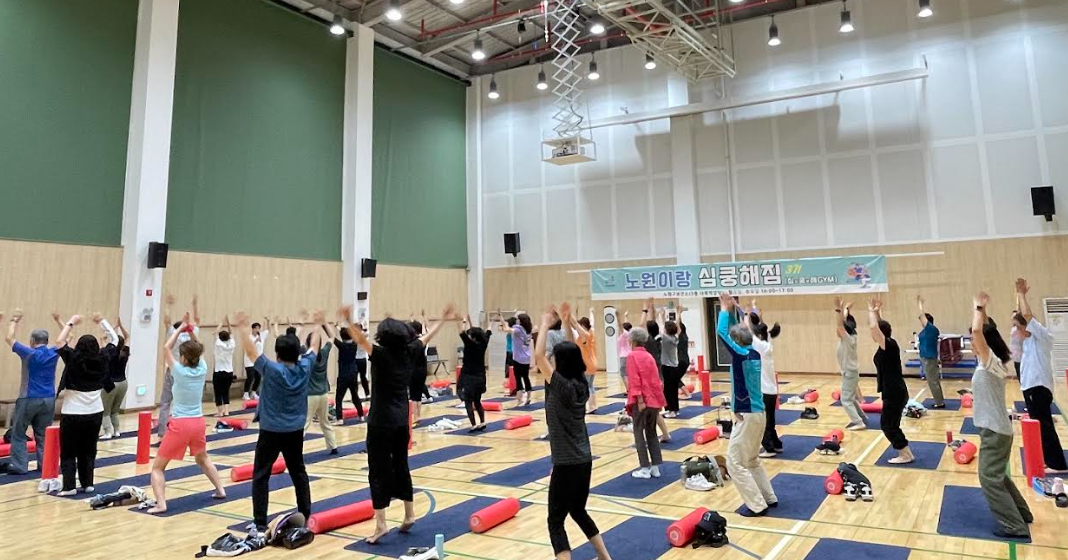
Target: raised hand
x: 97, y: 317
x: 16, y: 315
x: 838, y: 303
x: 565, y: 312
x: 1021, y: 286
x: 241, y: 319
x: 55, y: 316
x: 169, y: 299
x: 548, y: 316
x: 449, y: 312
x: 74, y: 320
x: 185, y: 318
x: 319, y: 317
x: 982, y: 299
x: 345, y: 312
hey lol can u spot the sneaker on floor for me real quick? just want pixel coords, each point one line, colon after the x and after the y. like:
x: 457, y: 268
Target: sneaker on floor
x: 746, y: 512
x: 421, y: 553
x: 105, y: 437
x: 938, y: 406
x: 765, y: 454
x: 88, y: 490
x: 810, y: 413
x: 116, y: 435
x: 655, y: 471
x: 698, y: 483
x: 255, y: 395
x: 865, y: 492
x: 427, y: 400
x: 795, y: 400
x: 641, y: 473
x: 245, y: 397
x: 829, y: 448
x: 66, y: 493
x: 850, y: 491
x: 856, y: 427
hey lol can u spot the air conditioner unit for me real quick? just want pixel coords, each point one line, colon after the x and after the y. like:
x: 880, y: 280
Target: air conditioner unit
x: 1057, y: 323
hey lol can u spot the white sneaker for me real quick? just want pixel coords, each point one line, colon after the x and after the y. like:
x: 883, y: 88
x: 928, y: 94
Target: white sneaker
x: 88, y: 490
x: 641, y: 473
x: 655, y: 471
x: 105, y: 437
x: 116, y: 435
x: 795, y: 400
x: 698, y: 483
x: 764, y: 454
x: 255, y: 395
x: 245, y: 397
x: 421, y: 554
x: 427, y: 400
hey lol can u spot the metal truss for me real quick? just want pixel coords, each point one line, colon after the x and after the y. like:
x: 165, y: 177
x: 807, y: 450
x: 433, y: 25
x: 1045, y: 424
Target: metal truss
x: 565, y: 26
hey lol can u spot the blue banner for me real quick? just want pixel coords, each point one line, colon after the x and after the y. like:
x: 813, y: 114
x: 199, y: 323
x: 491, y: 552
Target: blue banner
x: 818, y: 275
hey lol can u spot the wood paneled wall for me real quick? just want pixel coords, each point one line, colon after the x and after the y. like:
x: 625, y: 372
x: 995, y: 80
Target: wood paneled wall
x: 807, y: 343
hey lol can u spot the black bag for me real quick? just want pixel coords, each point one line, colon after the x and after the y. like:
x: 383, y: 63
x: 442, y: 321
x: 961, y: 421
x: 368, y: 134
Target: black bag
x: 297, y: 537
x: 725, y: 425
x: 711, y: 531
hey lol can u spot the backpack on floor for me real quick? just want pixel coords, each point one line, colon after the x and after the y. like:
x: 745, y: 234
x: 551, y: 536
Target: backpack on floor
x: 703, y: 466
x: 711, y: 531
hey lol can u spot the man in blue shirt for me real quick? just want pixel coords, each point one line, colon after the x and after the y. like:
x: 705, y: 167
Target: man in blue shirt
x: 928, y: 343
x: 36, y: 403
x: 283, y: 410
x: 747, y: 403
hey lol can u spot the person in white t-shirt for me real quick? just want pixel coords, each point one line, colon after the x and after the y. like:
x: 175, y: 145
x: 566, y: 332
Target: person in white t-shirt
x: 224, y: 368
x: 252, y: 377
x: 771, y: 445
x: 1036, y: 378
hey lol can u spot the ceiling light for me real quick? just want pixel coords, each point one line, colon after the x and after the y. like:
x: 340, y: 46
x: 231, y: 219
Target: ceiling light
x: 493, y: 94
x: 337, y: 28
x: 456, y: 1
x: 650, y: 64
x: 593, y: 74
x: 737, y: 1
x: 543, y: 84
x: 521, y: 27
x: 477, y: 53
x: 925, y: 9
x: 773, y: 34
x: 847, y: 20
x: 393, y: 12
x: 596, y: 27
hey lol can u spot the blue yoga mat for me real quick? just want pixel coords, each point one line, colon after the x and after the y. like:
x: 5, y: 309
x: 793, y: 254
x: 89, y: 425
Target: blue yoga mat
x: 250, y: 446
x: 202, y: 500
x: 965, y: 513
x: 626, y: 486
x: 786, y: 417
x: 951, y: 404
x: 424, y: 422
x: 836, y: 548
x: 322, y: 505
x: 637, y: 538
x: 610, y: 408
x: 442, y: 455
x: 212, y: 436
x: 928, y: 456
x: 520, y: 475
x: 681, y: 437
x: 451, y: 522
x: 617, y: 396
x: 798, y: 448
x: 1021, y: 406
x: 532, y: 407
x: 968, y: 428
x: 491, y: 427
x: 112, y: 460
x: 342, y: 450
x: 688, y: 412
x: 874, y: 420
x: 696, y: 396
x: 172, y: 474
x: 595, y: 428
x: 13, y: 478
x: 799, y: 495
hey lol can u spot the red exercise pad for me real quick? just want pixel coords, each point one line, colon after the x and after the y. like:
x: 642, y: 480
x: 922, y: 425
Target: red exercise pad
x: 833, y: 484
x: 5, y: 449
x: 518, y: 422
x: 491, y: 406
x: 876, y: 406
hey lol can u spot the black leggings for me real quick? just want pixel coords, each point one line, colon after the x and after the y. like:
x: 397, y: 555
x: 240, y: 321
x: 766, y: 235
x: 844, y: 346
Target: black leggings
x: 890, y: 422
x: 78, y: 435
x: 252, y: 380
x: 387, y: 464
x: 771, y: 440
x: 1039, y: 400
x: 347, y: 384
x: 522, y: 376
x: 361, y: 370
x: 569, y: 488
x: 672, y: 379
x: 220, y: 382
x: 268, y: 446
x: 473, y: 404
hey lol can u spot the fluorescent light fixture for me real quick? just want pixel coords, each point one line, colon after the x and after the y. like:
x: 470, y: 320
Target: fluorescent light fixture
x: 393, y: 13
x: 925, y: 9
x: 650, y: 63
x: 493, y: 94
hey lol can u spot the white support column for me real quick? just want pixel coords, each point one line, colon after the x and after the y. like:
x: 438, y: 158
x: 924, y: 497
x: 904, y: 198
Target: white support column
x: 356, y: 169
x: 144, y: 215
x: 475, y: 294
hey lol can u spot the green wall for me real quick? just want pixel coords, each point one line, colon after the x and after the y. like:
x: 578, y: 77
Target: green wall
x: 420, y: 209
x: 65, y: 74
x: 257, y: 138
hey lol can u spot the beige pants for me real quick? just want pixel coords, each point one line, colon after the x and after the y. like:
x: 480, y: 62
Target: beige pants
x: 743, y: 462
x: 319, y: 405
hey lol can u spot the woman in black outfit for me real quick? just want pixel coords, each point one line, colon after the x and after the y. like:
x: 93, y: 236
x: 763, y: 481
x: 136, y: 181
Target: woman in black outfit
x: 346, y: 376
x: 85, y: 375
x: 387, y: 424
x: 472, y: 384
x: 566, y: 393
x: 417, y: 388
x: 891, y: 382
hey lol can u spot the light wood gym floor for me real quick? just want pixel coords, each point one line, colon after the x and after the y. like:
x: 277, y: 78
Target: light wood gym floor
x: 905, y: 512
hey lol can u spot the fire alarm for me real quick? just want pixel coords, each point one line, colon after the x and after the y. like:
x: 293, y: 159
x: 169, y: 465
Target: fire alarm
x: 148, y: 292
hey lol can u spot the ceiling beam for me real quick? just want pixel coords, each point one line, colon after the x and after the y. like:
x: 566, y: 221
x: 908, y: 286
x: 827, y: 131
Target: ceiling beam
x: 402, y: 43
x: 374, y: 14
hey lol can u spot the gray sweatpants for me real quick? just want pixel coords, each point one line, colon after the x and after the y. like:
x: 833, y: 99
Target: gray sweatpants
x: 166, y: 396
x: 932, y: 370
x: 851, y: 397
x: 112, y: 406
x: 1005, y: 501
x: 645, y: 440
x: 38, y: 414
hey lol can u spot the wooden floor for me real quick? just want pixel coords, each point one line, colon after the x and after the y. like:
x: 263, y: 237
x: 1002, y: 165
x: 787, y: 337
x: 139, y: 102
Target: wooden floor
x: 905, y: 512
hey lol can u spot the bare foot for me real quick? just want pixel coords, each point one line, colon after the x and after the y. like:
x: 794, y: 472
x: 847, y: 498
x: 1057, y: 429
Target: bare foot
x: 219, y: 495
x: 156, y: 509
x: 407, y: 525
x: 379, y: 533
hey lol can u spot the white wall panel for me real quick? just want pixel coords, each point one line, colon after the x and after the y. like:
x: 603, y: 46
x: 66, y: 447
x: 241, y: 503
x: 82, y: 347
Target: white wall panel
x: 1050, y: 49
x: 802, y: 190
x: 903, y: 191
x: 529, y: 224
x: 993, y: 17
x: 947, y: 95
x: 960, y: 207
x: 561, y: 225
x: 1014, y: 169
x: 663, y: 218
x: 757, y: 215
x: 1057, y: 153
x: 853, y: 200
x: 710, y: 141
x: 496, y: 221
x: 712, y: 216
x: 1004, y: 94
x: 595, y: 217
x: 632, y: 220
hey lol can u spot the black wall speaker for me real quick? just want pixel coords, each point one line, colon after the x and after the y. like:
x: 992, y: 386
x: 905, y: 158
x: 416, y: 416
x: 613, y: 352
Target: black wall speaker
x: 361, y: 296
x: 511, y: 243
x: 1042, y: 202
x: 368, y: 268
x: 157, y: 255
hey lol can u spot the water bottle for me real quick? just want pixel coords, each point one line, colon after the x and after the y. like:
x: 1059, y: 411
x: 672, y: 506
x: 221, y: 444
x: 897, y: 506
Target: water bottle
x: 439, y: 544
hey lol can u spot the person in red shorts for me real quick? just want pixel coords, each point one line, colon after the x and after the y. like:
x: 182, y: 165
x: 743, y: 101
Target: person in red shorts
x: 186, y: 428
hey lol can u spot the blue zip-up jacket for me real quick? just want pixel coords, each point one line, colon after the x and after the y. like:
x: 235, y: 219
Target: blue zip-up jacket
x: 745, y: 369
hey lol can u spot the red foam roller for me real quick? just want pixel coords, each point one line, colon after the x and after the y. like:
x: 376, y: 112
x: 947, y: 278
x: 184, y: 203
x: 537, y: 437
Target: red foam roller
x: 457, y: 374
x: 510, y: 384
x: 236, y: 423
x: 5, y: 449
x: 518, y: 422
x: 489, y: 517
x: 836, y: 395
x: 706, y: 435
x: 965, y: 453
x: 812, y: 397
x: 1034, y: 461
x: 242, y: 473
x: 491, y: 406
x: 966, y: 401
x: 706, y: 385
x: 835, y: 432
x: 144, y: 438
x: 440, y: 383
x: 326, y: 521
x: 50, y: 469
x: 876, y: 406
x: 349, y: 413
x: 680, y: 533
x: 833, y: 484
x: 690, y: 388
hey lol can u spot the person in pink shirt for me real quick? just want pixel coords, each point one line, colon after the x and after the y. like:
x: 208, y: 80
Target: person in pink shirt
x: 645, y: 398
x: 623, y: 350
